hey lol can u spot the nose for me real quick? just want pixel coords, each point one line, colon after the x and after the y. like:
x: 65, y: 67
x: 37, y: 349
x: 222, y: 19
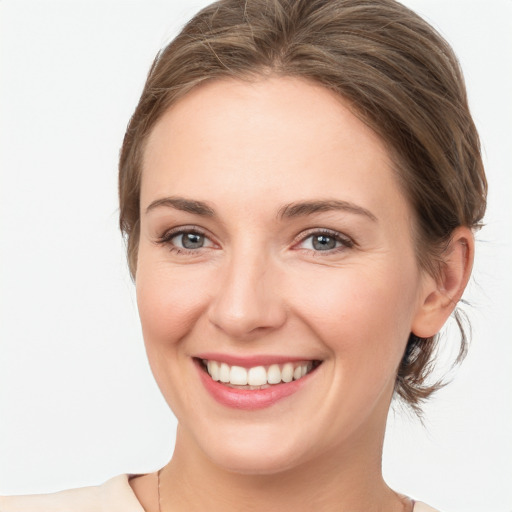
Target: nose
x: 249, y: 300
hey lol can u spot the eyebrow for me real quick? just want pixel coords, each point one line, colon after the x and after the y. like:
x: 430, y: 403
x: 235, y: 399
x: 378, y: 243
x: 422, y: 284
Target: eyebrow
x: 185, y: 205
x: 291, y: 210
x: 305, y: 208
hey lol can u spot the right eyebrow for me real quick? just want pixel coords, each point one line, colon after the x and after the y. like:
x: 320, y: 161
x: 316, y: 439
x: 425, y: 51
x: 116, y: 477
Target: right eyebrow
x: 311, y: 207
x: 185, y: 205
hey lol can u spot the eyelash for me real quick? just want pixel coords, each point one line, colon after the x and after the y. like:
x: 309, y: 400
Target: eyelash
x: 165, y: 239
x: 344, y: 241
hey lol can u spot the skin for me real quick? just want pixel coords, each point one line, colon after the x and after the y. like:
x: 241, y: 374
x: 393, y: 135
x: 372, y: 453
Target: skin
x: 259, y: 286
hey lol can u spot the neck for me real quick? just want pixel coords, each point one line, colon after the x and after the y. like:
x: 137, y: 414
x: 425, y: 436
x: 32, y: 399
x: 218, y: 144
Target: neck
x: 345, y: 480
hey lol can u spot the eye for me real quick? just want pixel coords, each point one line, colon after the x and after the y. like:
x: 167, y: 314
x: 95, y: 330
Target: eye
x: 185, y: 239
x: 324, y: 241
x: 188, y: 240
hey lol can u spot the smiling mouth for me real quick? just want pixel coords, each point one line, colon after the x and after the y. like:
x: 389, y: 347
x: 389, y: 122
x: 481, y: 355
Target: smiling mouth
x: 257, y: 377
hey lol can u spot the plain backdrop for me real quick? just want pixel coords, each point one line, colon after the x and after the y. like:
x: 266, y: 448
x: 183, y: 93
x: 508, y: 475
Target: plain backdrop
x: 78, y: 403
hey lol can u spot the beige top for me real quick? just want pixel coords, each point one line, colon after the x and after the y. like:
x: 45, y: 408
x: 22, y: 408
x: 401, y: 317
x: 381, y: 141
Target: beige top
x: 115, y: 495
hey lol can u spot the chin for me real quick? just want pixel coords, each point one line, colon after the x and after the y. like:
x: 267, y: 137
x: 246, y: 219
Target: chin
x: 255, y: 455
x: 253, y: 462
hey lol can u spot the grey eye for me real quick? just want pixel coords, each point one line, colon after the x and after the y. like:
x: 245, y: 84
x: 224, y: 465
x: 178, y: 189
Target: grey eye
x: 189, y: 240
x: 192, y: 240
x: 323, y: 242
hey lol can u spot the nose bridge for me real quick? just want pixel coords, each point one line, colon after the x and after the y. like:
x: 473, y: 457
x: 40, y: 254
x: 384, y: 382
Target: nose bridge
x: 248, y: 298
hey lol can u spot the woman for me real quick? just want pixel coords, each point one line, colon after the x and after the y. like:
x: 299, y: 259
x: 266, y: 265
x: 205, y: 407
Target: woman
x: 299, y: 187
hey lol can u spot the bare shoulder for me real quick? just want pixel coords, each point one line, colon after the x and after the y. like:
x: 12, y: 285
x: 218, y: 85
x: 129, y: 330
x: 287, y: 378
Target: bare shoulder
x: 116, y: 494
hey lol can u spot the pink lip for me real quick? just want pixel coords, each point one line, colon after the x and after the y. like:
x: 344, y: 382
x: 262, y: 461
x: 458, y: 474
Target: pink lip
x: 251, y: 361
x: 249, y: 399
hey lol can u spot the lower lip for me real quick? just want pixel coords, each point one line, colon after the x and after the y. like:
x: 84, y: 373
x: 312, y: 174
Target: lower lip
x: 249, y: 399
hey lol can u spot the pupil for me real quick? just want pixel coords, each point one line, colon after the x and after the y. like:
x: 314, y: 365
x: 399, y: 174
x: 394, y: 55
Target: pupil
x: 324, y: 243
x: 192, y: 240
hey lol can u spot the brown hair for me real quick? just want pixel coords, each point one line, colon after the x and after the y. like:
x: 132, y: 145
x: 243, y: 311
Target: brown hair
x: 401, y: 78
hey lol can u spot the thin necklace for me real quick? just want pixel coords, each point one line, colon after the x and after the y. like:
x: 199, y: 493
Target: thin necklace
x: 159, y: 506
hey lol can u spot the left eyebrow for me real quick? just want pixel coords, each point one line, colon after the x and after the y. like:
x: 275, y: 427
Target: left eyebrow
x: 304, y: 208
x: 183, y: 204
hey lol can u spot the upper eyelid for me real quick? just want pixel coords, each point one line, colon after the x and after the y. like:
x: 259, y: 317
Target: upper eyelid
x: 304, y: 235
x: 169, y: 233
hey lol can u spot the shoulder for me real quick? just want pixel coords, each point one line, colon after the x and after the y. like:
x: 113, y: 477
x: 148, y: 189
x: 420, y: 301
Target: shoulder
x: 115, y: 495
x: 421, y: 507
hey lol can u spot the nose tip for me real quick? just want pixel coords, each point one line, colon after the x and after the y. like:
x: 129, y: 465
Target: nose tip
x: 248, y: 302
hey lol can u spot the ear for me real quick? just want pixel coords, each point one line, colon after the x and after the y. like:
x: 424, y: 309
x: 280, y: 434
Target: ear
x: 440, y: 294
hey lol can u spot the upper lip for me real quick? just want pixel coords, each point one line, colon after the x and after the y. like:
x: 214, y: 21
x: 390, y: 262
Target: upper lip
x: 251, y: 361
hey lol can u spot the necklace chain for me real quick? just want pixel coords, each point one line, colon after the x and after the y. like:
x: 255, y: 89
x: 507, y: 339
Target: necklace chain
x: 159, y: 505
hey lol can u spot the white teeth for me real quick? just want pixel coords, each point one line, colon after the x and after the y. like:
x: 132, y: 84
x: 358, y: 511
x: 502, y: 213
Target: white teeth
x: 274, y: 374
x: 258, y: 376
x: 238, y: 376
x: 224, y: 372
x: 213, y: 369
x: 287, y: 372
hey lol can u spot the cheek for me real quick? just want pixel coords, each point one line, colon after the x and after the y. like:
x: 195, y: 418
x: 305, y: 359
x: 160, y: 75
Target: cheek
x: 169, y: 300
x: 362, y: 315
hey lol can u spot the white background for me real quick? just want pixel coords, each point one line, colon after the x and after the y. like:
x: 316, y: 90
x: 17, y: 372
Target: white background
x: 77, y: 401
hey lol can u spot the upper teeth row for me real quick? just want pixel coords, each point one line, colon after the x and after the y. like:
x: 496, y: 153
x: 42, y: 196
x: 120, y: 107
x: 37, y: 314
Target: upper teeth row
x: 258, y: 375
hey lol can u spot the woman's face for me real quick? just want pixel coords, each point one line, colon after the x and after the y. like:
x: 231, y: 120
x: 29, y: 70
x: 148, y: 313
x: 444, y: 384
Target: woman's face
x: 275, y: 242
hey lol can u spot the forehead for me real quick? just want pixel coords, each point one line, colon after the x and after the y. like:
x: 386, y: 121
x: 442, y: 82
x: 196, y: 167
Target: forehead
x: 272, y: 137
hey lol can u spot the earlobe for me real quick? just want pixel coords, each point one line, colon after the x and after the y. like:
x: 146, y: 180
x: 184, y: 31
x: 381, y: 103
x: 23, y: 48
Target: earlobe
x: 442, y: 293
